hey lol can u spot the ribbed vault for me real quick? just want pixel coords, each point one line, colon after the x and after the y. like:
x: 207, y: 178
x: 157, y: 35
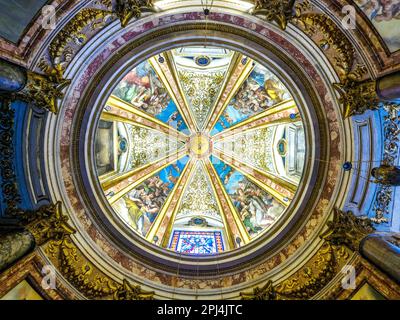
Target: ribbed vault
x: 260, y: 175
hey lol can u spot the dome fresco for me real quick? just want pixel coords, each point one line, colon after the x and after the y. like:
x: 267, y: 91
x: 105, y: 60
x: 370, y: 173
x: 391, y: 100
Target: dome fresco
x: 166, y: 185
x: 200, y: 150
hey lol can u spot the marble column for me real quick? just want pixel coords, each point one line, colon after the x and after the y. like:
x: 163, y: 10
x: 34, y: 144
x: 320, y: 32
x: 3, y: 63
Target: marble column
x: 388, y: 87
x: 13, y: 78
x: 13, y: 246
x: 383, y: 250
x: 42, y: 90
x: 40, y: 226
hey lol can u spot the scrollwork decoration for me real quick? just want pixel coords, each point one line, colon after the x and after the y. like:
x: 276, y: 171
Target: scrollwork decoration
x: 347, y: 229
x: 87, y: 279
x: 266, y: 292
x: 312, y: 278
x: 391, y: 132
x: 47, y: 223
x: 73, y: 34
x: 278, y: 11
x: 342, y: 237
x: 43, y: 91
x: 126, y: 291
x: 305, y: 283
x: 126, y: 10
x: 9, y: 187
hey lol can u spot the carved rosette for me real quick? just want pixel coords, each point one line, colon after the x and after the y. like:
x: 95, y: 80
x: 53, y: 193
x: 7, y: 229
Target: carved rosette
x: 347, y: 229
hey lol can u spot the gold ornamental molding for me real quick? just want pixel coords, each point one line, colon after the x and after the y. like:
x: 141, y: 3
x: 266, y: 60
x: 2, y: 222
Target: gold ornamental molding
x: 357, y: 97
x: 50, y: 229
x: 308, y: 281
x: 266, y: 292
x: 72, y: 31
x: 87, y: 279
x: 44, y: 91
x: 321, y: 29
x: 232, y: 31
x: 341, y: 240
x: 72, y: 37
x: 126, y: 10
x: 87, y: 22
x: 48, y: 223
x: 278, y: 11
x: 347, y: 229
x: 330, y: 38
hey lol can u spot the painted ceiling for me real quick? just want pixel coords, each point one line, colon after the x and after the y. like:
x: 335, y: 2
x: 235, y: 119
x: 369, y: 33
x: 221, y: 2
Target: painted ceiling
x: 385, y: 17
x: 16, y: 15
x: 183, y: 161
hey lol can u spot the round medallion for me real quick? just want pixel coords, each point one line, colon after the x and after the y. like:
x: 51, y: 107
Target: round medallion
x: 202, y: 61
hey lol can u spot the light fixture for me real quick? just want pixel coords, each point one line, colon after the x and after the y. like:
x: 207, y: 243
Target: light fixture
x: 207, y: 6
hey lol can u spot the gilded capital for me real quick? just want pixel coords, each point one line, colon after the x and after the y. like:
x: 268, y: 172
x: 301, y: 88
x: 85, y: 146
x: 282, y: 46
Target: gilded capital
x: 347, y: 229
x: 126, y: 10
x: 48, y: 223
x: 278, y: 11
x: 44, y: 91
x: 357, y: 97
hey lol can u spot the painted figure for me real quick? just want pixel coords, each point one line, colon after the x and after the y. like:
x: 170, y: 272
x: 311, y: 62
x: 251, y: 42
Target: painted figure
x: 142, y: 88
x: 145, y: 201
x: 380, y: 10
x: 254, y: 206
x: 135, y: 210
x: 259, y: 92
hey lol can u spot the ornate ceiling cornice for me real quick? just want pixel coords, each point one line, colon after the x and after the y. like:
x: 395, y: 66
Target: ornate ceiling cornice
x: 68, y: 255
x: 341, y: 240
x: 365, y: 35
x: 183, y: 281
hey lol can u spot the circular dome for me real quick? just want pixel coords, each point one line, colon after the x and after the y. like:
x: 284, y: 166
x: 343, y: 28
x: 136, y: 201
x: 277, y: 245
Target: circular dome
x: 93, y: 186
x: 200, y: 150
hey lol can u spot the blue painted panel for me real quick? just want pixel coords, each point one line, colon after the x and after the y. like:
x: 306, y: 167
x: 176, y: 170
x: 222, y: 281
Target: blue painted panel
x: 19, y: 128
x: 20, y: 134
